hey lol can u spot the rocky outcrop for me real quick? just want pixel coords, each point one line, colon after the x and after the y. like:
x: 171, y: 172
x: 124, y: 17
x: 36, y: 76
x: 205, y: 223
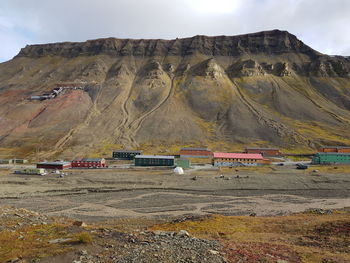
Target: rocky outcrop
x: 209, y: 69
x: 331, y: 67
x: 246, y: 68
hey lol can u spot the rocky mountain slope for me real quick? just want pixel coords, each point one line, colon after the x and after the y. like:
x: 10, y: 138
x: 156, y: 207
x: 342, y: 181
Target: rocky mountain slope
x: 266, y: 88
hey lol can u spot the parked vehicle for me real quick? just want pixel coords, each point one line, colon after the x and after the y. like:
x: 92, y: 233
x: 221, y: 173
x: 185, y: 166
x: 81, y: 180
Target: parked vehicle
x: 301, y: 166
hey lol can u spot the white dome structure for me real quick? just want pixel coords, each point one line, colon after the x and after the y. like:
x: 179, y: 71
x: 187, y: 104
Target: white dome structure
x: 179, y: 170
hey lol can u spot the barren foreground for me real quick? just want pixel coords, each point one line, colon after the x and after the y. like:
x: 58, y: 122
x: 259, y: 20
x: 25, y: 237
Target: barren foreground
x: 143, y: 215
x: 94, y: 195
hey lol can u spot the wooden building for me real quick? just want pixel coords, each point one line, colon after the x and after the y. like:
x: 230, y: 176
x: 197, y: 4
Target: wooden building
x: 237, y: 159
x: 89, y: 163
x: 195, y: 153
x: 331, y: 158
x: 54, y: 165
x: 335, y: 149
x: 154, y: 160
x: 267, y: 152
x: 125, y: 154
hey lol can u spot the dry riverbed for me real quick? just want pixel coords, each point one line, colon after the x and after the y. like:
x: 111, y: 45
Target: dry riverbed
x: 94, y: 195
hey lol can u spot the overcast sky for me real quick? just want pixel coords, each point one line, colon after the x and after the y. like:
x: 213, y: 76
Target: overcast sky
x: 322, y: 24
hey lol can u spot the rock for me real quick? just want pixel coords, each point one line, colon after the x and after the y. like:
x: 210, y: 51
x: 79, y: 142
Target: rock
x: 83, y: 252
x: 214, y: 252
x: 157, y: 232
x: 183, y: 233
x: 13, y: 260
x: 60, y: 240
x: 79, y: 223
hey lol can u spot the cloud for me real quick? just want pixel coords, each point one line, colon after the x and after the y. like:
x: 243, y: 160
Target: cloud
x: 321, y: 24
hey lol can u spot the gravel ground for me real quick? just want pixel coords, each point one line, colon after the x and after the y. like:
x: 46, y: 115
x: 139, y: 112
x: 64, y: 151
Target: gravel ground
x: 95, y: 195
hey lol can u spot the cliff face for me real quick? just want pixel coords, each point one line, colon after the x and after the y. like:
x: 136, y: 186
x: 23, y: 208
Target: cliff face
x: 266, y: 88
x: 268, y: 42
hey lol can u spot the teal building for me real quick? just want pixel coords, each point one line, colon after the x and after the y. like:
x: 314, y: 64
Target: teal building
x: 331, y: 158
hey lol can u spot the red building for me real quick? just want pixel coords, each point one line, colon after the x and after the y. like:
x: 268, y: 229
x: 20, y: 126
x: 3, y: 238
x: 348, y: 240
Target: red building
x: 195, y: 153
x: 335, y: 149
x: 264, y: 151
x: 89, y: 163
x: 237, y: 159
x: 54, y: 165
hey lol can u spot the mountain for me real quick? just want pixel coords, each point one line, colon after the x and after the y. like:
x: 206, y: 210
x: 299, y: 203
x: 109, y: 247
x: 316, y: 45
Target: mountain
x: 261, y: 89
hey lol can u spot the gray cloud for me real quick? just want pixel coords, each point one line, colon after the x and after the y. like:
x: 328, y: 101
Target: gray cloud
x: 321, y: 24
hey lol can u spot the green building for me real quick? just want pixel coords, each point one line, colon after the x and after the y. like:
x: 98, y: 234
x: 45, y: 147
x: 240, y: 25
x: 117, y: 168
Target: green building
x: 331, y: 158
x: 183, y: 163
x: 125, y: 154
x: 154, y: 160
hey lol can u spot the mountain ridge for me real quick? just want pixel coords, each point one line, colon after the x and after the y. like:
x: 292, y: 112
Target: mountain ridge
x: 179, y: 46
x: 261, y: 89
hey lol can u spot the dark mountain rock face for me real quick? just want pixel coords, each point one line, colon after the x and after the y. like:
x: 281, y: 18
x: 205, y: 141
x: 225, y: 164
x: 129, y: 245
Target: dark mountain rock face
x: 269, y: 42
x: 266, y: 88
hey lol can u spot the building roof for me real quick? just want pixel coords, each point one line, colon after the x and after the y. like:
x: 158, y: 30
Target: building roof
x: 256, y: 156
x: 336, y: 147
x: 262, y: 149
x: 88, y: 159
x: 194, y: 149
x: 332, y: 153
x: 93, y: 159
x: 55, y: 163
x: 154, y: 157
x: 127, y: 151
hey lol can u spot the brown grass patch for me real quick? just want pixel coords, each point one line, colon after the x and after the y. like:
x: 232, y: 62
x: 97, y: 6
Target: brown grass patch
x: 31, y: 241
x: 303, y: 237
